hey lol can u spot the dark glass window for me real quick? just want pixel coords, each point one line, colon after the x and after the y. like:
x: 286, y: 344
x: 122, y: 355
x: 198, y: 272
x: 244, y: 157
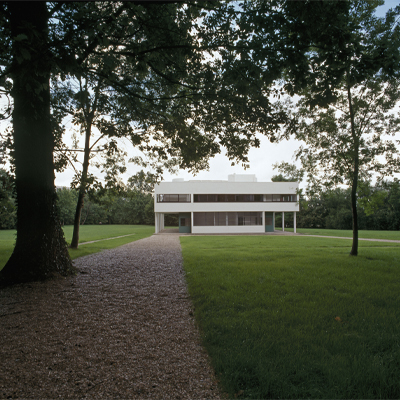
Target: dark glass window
x: 199, y: 219
x: 173, y: 198
x: 185, y: 221
x: 184, y: 198
x: 249, y: 218
x: 209, y: 219
x: 232, y: 219
x: 276, y: 197
x: 220, y: 219
x: 242, y: 198
x: 226, y: 218
x: 212, y: 198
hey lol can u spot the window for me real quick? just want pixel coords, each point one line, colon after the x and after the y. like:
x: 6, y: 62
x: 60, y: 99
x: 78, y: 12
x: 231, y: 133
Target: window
x: 249, y: 218
x: 232, y: 219
x: 184, y: 198
x: 203, y: 219
x: 185, y: 221
x: 243, y: 198
x: 220, y: 218
x: 173, y: 198
x: 226, y: 218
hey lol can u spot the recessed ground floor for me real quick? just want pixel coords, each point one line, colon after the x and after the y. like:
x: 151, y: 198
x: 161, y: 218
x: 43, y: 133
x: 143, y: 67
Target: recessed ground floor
x: 225, y: 222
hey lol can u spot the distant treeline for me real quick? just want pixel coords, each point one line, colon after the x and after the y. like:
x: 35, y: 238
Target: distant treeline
x: 379, y: 208
x: 129, y: 207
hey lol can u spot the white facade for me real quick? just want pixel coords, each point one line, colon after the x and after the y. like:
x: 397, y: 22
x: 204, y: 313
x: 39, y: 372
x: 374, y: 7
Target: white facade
x: 237, y: 205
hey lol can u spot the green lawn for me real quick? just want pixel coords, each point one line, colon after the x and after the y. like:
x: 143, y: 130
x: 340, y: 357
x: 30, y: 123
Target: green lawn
x: 297, y: 317
x: 7, y: 241
x: 87, y: 233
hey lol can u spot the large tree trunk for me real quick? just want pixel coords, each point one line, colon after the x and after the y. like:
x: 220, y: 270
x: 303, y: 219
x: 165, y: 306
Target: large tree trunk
x: 40, y: 251
x: 356, y: 144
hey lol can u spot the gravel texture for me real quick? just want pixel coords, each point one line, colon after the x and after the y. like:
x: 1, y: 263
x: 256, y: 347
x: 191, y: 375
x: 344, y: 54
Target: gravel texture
x: 122, y: 328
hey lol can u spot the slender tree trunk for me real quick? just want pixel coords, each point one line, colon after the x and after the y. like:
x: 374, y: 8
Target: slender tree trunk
x: 82, y: 187
x: 40, y: 251
x: 86, y: 214
x: 89, y: 113
x: 356, y: 143
x: 77, y: 219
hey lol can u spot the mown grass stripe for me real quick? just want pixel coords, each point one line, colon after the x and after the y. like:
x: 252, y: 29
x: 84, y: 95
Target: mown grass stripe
x: 111, y: 238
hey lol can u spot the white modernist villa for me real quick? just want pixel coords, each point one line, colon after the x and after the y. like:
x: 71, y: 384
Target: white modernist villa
x: 238, y: 205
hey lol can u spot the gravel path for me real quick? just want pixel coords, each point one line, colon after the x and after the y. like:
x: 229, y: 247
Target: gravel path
x: 121, y: 328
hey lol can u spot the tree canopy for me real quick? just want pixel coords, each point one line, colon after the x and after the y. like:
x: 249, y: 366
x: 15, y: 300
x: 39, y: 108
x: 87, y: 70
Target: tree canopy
x: 347, y: 113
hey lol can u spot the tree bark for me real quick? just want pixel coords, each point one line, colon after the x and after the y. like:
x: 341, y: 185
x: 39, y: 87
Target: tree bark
x: 40, y: 251
x: 356, y: 144
x: 82, y: 186
x: 77, y: 220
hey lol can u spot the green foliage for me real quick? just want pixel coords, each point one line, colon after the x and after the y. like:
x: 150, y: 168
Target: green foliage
x: 66, y: 203
x: 131, y: 207
x: 296, y: 317
x: 94, y: 213
x: 379, y: 208
x: 287, y: 173
x: 177, y: 81
x: 143, y: 181
x: 333, y: 42
x: 330, y: 148
x: 370, y: 199
x: 348, y: 96
x: 7, y: 201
